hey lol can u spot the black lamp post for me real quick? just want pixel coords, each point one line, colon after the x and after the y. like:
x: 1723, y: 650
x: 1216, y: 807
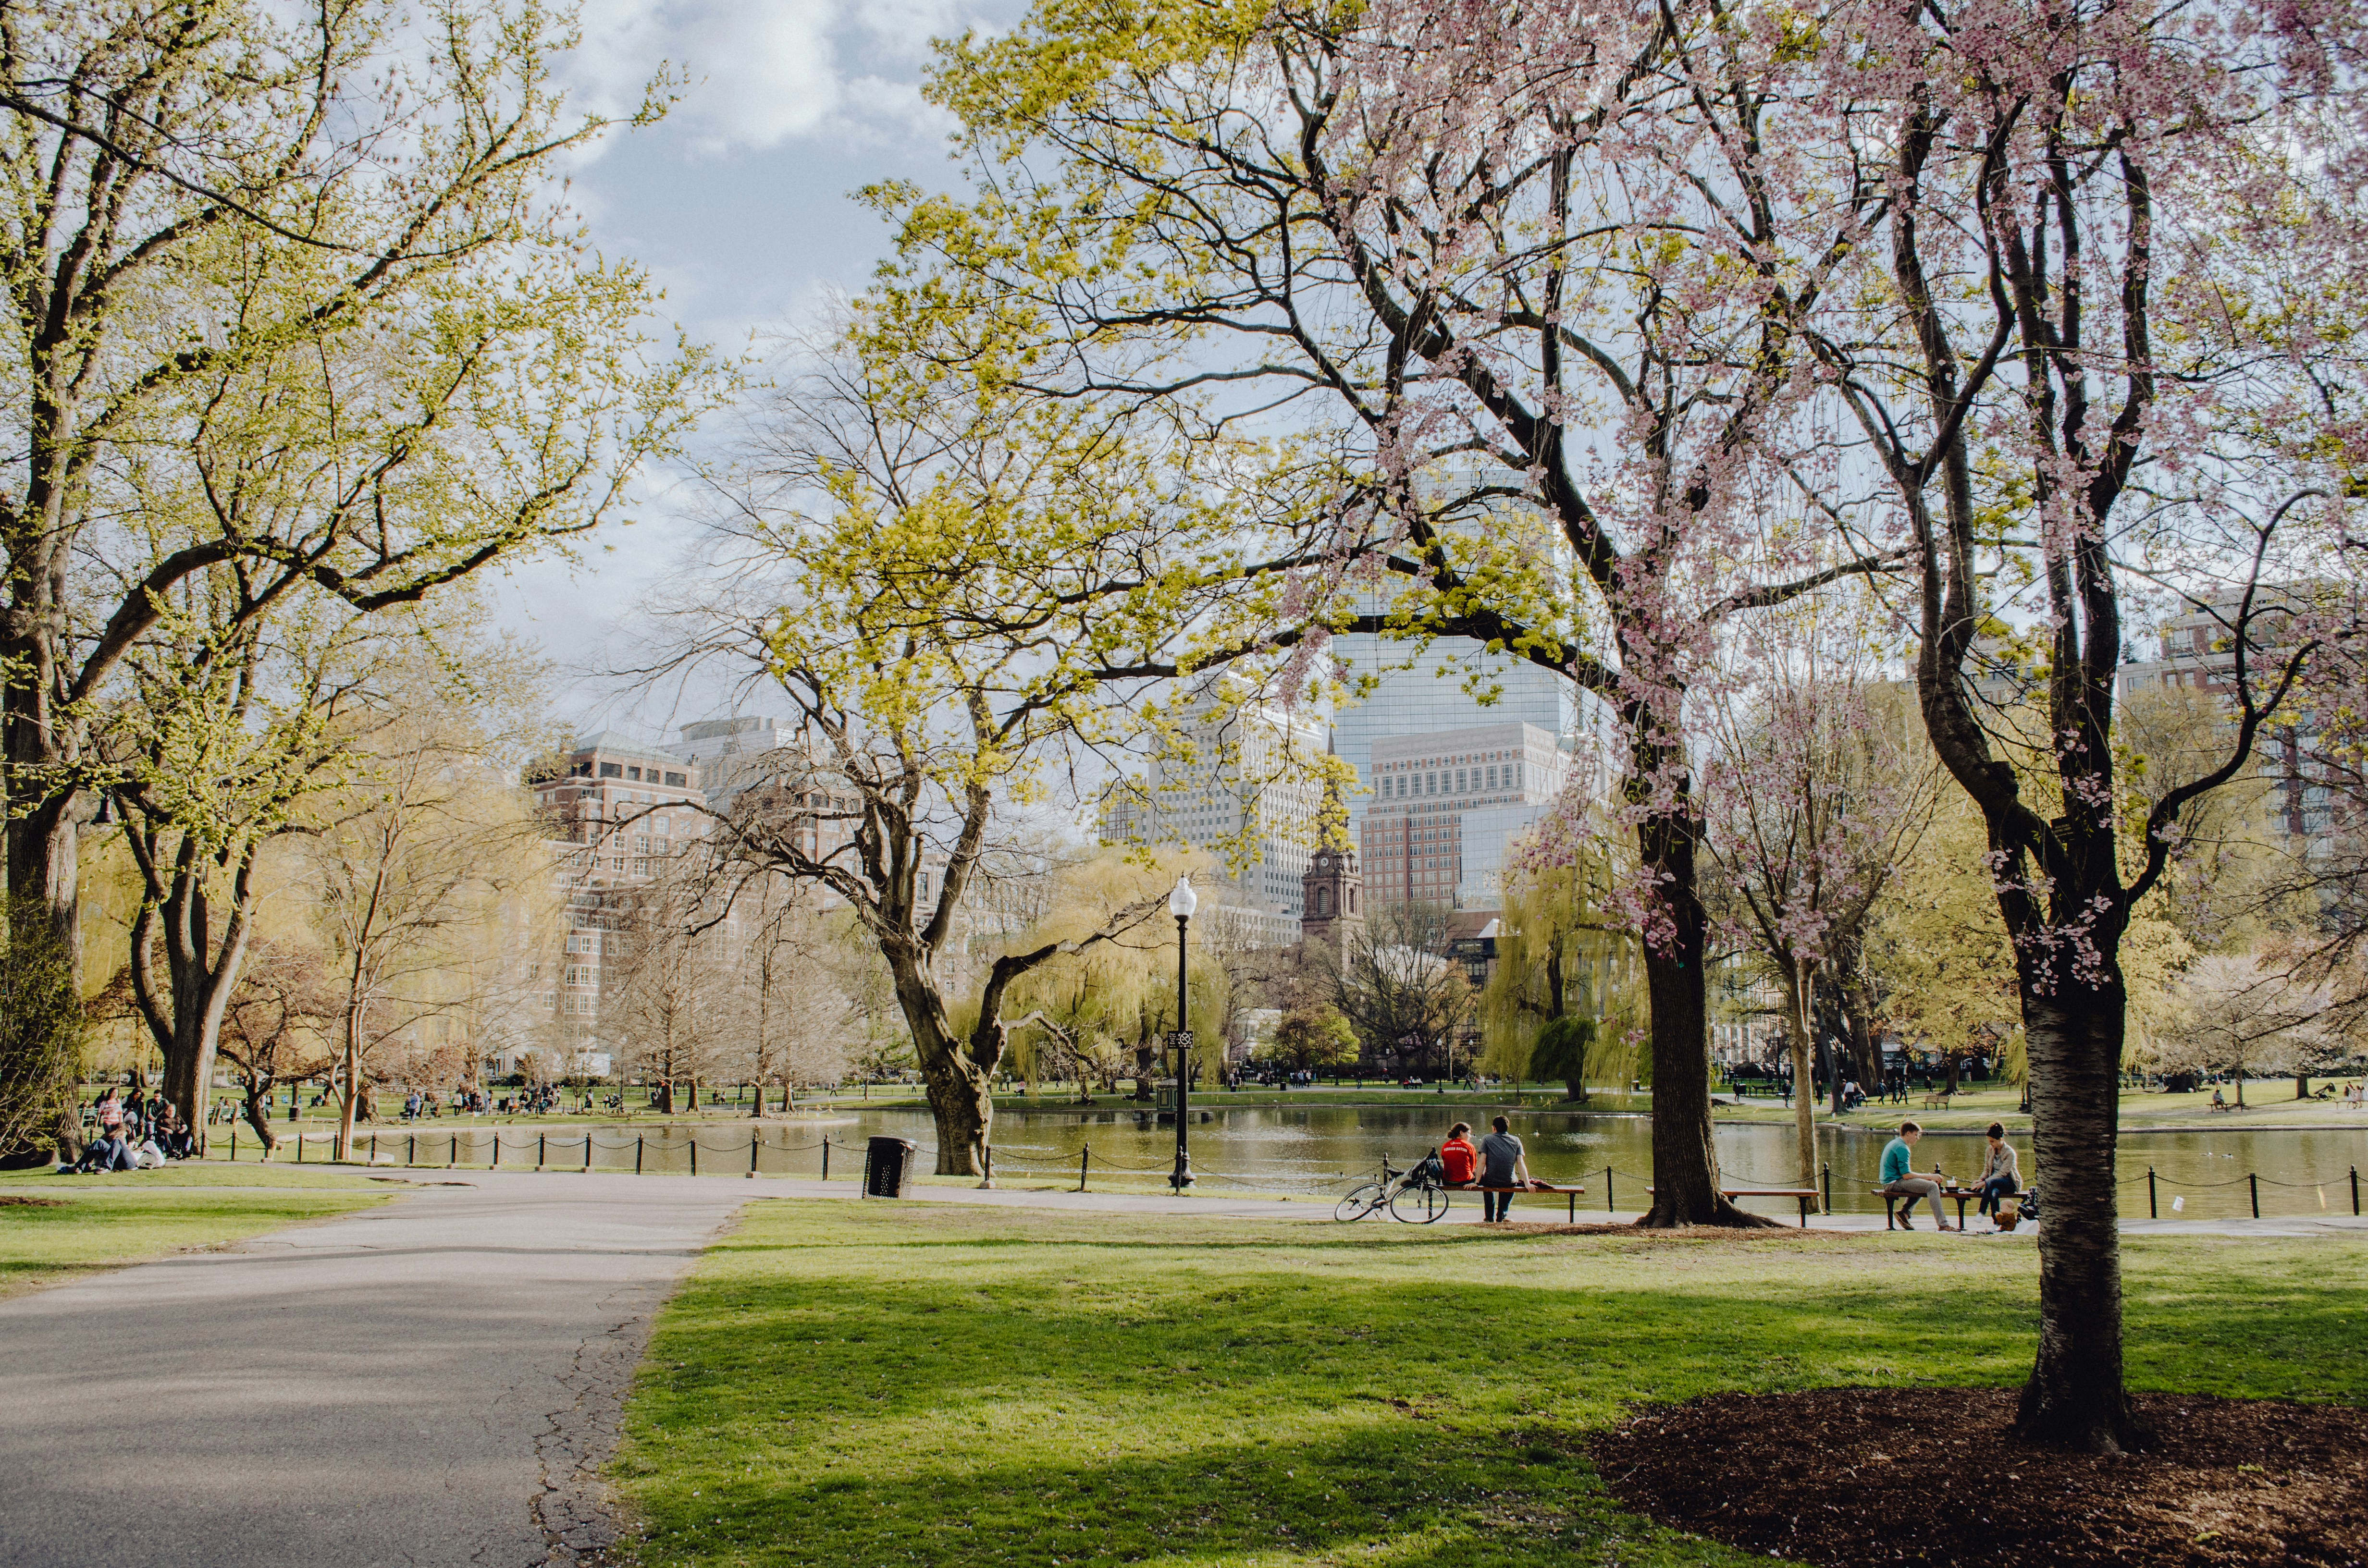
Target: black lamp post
x: 1181, y: 904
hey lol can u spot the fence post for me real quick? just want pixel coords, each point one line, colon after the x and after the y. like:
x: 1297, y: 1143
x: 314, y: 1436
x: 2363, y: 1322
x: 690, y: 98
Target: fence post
x: 497, y: 1151
x: 299, y: 1148
x: 1086, y: 1155
x: 587, y: 1150
x: 2152, y: 1211
x: 2355, y: 1192
x: 234, y: 1160
x: 1826, y: 1169
x: 2254, y: 1179
x: 538, y: 1137
x: 411, y: 1149
x: 637, y: 1152
x: 452, y: 1154
x: 1609, y: 1207
x: 694, y: 1150
x: 825, y: 1156
x: 373, y: 1159
x: 987, y: 1151
x: 752, y: 1154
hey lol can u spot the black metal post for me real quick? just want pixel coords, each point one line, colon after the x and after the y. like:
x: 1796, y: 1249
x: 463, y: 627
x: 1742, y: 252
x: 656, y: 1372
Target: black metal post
x: 1182, y: 1177
x: 588, y: 1148
x: 1826, y: 1170
x: 1609, y: 1207
x: 752, y: 1153
x: 637, y: 1152
x: 2152, y: 1211
x: 540, y: 1139
x: 1086, y: 1155
x: 2253, y: 1179
x: 825, y: 1156
x: 2355, y: 1192
x: 411, y: 1148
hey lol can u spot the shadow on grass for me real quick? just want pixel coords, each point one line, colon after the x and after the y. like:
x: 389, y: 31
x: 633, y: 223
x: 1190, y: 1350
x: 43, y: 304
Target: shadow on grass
x: 836, y: 1386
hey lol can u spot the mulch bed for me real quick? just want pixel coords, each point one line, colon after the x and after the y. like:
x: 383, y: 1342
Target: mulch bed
x: 21, y: 1201
x: 1851, y: 1476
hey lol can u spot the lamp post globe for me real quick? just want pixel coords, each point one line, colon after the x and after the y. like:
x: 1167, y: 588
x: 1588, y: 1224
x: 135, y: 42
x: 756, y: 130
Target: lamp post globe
x: 1181, y: 902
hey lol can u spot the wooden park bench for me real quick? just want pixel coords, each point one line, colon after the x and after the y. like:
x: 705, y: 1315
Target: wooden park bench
x: 1539, y: 1189
x: 1937, y: 1100
x: 1961, y: 1195
x: 1803, y: 1195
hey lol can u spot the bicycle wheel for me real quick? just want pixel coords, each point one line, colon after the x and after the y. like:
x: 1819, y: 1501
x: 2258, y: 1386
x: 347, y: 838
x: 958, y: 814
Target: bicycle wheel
x: 1361, y: 1201
x: 1418, y: 1205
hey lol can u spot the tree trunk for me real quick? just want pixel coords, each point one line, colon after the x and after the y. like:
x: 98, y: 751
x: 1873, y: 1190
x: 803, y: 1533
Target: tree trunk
x: 350, y: 1091
x: 1685, y: 1160
x: 666, y: 1096
x: 259, y: 1116
x: 2302, y: 1085
x: 1799, y: 977
x: 692, y: 1105
x: 964, y: 1113
x: 757, y: 1101
x: 2074, y: 1397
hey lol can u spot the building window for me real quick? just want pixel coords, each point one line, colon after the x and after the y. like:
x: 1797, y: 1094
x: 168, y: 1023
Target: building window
x: 678, y: 780
x: 611, y: 770
x: 632, y: 773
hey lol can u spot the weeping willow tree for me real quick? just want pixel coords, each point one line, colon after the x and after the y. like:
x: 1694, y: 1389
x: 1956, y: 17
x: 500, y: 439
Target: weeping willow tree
x: 1563, y: 952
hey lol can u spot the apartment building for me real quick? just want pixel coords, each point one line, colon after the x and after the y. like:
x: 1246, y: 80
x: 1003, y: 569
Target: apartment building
x: 1239, y: 784
x: 619, y: 812
x: 1442, y: 810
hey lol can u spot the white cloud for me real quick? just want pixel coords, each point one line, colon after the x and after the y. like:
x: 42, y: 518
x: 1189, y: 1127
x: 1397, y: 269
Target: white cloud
x: 762, y: 72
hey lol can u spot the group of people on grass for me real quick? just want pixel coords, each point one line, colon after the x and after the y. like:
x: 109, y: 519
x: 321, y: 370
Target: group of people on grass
x: 136, y: 1132
x: 2001, y: 1177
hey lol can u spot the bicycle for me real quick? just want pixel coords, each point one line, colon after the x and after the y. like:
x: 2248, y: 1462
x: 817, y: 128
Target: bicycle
x: 1415, y: 1197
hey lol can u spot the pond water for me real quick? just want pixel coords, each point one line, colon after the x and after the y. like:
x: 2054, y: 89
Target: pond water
x: 1320, y: 1149
x: 1324, y: 1148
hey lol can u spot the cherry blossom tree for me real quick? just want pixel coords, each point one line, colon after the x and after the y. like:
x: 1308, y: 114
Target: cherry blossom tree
x: 1815, y: 796
x: 1537, y: 288
x: 2096, y: 346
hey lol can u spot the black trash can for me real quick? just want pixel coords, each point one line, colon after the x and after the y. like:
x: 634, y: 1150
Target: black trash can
x: 888, y: 1167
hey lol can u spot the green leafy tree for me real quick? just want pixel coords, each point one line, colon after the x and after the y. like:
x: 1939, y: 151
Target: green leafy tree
x: 1309, y: 1037
x: 296, y: 309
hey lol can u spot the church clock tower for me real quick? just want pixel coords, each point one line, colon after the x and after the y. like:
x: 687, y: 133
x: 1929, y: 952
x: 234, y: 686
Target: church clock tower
x: 1332, y: 891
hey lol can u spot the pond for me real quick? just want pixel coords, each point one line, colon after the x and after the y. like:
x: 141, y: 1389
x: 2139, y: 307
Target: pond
x: 1322, y: 1149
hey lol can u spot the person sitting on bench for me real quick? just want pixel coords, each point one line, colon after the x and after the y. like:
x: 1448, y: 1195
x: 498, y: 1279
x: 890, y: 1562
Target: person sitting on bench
x: 1506, y: 1167
x: 2001, y: 1178
x: 1457, y: 1158
x: 1899, y: 1180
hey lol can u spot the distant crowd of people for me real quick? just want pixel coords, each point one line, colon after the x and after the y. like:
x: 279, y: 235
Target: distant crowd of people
x: 121, y: 1132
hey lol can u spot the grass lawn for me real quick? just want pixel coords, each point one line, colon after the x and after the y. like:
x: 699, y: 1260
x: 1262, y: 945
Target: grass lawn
x: 108, y: 1221
x: 941, y: 1385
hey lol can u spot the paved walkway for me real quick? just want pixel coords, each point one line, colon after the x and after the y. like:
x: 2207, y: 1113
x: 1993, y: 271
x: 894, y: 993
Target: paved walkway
x: 435, y: 1382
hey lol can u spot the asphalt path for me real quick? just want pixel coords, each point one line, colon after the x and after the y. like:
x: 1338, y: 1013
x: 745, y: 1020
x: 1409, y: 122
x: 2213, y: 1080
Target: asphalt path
x: 435, y: 1382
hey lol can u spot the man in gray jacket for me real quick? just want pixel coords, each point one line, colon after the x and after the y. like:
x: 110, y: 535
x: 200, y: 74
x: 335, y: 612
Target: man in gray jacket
x: 1502, y: 1164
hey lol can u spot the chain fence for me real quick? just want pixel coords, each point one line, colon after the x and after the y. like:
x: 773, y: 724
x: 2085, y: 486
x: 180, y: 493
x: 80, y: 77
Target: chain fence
x: 715, y: 1152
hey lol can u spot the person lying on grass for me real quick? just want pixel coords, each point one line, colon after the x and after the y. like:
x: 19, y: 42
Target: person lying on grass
x: 1900, y: 1180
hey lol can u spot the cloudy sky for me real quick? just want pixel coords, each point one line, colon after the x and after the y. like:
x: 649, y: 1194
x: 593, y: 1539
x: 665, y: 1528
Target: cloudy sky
x: 739, y: 204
